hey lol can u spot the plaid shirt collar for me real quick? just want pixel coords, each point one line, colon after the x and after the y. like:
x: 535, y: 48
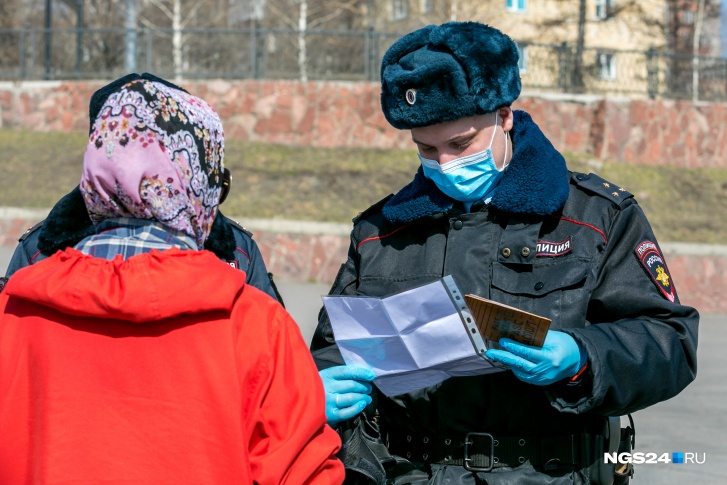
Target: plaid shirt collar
x: 129, y: 237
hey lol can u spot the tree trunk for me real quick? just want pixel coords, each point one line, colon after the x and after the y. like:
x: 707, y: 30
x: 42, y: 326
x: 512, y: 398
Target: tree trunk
x: 302, y: 26
x: 177, y: 40
x: 695, y: 51
x: 130, y: 37
x: 578, y: 83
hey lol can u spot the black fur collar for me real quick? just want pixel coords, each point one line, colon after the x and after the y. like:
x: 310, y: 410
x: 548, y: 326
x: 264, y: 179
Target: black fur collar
x: 68, y: 223
x: 535, y: 182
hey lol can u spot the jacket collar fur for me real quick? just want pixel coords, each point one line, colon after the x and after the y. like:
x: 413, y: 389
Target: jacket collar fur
x: 535, y: 182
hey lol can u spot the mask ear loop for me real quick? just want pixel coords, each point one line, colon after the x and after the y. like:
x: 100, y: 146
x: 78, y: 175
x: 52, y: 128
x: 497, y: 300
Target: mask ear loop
x: 226, y: 180
x: 494, y: 131
x: 505, y: 165
x: 504, y: 157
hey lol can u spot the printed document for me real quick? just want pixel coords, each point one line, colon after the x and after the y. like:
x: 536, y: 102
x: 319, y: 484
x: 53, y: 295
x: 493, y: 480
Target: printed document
x: 411, y: 340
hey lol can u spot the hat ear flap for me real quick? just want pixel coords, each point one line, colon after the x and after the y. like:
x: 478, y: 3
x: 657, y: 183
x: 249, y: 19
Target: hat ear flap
x: 490, y: 59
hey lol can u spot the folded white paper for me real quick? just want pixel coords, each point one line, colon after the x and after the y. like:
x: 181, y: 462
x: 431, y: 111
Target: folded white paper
x: 411, y: 340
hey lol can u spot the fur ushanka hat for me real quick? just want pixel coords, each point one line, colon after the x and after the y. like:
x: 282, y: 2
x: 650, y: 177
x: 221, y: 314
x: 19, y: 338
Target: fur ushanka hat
x: 447, y: 72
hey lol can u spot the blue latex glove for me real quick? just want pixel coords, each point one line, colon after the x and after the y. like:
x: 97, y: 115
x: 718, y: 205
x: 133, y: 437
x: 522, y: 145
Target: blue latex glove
x: 347, y: 391
x: 560, y: 357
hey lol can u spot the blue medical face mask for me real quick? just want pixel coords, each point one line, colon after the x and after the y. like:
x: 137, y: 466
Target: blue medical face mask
x: 468, y: 179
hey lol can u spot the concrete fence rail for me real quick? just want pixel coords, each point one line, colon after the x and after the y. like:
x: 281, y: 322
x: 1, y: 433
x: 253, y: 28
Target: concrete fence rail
x: 313, y: 252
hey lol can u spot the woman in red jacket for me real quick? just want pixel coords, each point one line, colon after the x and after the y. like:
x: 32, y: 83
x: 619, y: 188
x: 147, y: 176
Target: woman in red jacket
x: 138, y: 357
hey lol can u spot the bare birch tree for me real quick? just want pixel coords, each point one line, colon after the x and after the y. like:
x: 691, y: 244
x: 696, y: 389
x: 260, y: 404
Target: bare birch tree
x: 695, y: 50
x: 179, y: 19
x: 310, y: 15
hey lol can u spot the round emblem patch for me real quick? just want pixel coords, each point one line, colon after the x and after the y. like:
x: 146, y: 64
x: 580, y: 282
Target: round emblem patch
x: 411, y: 96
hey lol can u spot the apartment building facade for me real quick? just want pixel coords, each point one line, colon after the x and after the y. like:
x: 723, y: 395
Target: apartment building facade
x: 578, y: 45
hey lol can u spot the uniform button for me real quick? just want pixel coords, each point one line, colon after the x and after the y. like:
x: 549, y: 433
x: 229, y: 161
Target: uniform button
x: 506, y: 252
x: 525, y: 252
x: 458, y: 224
x: 539, y: 285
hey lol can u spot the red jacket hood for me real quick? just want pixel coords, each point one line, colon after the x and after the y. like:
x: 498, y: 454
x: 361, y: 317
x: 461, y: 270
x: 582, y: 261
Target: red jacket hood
x: 144, y: 288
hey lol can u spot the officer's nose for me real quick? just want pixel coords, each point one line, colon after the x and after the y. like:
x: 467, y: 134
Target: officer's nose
x: 445, y: 158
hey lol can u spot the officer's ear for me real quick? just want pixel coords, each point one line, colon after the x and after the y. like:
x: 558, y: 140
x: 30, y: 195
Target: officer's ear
x: 226, y: 179
x: 506, y: 118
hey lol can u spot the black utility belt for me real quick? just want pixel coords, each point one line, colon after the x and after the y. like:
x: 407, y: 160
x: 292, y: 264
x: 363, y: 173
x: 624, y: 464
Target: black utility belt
x: 483, y: 451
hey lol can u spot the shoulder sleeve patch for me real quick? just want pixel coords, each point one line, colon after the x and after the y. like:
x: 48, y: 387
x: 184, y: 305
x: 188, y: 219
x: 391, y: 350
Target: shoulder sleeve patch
x: 373, y: 209
x: 599, y: 186
x: 31, y: 230
x: 237, y: 225
x: 655, y: 266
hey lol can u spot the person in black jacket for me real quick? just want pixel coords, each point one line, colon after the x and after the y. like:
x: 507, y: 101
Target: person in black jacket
x: 494, y: 205
x: 68, y: 222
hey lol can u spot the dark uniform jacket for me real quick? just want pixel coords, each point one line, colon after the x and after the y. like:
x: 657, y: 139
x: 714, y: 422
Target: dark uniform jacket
x: 567, y: 246
x: 68, y: 223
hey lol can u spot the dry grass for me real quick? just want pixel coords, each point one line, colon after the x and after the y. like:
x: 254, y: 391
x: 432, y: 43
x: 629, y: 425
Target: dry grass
x: 304, y: 183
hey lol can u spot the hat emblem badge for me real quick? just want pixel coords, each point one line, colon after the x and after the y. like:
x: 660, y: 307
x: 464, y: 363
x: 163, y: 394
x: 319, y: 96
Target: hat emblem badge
x: 411, y: 96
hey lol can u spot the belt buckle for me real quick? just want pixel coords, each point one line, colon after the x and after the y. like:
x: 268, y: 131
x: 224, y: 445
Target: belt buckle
x: 467, y: 459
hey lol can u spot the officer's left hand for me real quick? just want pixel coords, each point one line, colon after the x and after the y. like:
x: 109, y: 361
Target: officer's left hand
x: 560, y: 357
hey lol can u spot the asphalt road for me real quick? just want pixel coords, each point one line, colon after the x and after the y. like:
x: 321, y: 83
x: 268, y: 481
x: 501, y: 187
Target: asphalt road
x: 5, y: 253
x: 692, y: 422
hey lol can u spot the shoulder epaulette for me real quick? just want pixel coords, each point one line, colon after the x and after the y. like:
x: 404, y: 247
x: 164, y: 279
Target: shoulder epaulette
x: 374, y: 208
x: 31, y: 230
x: 237, y: 225
x: 600, y: 186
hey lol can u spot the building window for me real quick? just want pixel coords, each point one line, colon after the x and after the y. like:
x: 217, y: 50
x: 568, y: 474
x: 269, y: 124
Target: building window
x: 516, y: 5
x: 604, y: 8
x: 606, y: 66
x: 427, y: 6
x: 522, y: 63
x: 399, y: 9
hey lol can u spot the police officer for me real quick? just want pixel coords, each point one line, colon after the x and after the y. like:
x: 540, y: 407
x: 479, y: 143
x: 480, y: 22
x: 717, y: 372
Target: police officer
x: 68, y: 221
x: 494, y: 205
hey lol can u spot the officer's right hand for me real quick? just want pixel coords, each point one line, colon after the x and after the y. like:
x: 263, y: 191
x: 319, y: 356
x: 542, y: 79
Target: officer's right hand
x: 347, y: 391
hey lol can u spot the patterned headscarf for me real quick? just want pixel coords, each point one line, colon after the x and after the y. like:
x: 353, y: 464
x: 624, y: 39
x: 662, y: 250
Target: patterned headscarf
x: 155, y: 152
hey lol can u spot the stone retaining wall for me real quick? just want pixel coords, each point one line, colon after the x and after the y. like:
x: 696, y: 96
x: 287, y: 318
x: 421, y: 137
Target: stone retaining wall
x: 313, y: 252
x: 346, y: 114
